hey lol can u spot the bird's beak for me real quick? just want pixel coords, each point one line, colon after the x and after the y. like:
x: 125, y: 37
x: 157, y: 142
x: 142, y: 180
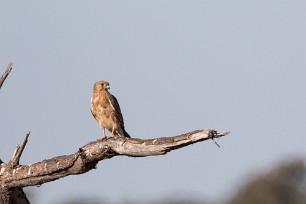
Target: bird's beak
x: 107, y: 87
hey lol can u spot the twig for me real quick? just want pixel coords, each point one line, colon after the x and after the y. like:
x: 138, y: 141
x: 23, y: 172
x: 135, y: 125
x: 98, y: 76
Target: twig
x: 216, y: 142
x: 6, y: 73
x: 18, y: 151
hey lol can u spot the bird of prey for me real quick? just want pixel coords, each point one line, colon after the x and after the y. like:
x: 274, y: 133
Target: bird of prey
x: 106, y: 110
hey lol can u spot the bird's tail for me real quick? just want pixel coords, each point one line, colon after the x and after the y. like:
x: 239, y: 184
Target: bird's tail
x: 126, y: 134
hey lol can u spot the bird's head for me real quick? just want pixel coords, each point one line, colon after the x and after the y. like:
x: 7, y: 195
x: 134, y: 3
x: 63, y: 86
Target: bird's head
x: 101, y: 85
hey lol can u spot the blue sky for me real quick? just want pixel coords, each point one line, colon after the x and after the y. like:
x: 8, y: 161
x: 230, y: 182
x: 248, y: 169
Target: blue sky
x: 174, y: 66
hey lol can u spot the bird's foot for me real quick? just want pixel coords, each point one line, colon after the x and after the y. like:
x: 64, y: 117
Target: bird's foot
x: 103, y: 137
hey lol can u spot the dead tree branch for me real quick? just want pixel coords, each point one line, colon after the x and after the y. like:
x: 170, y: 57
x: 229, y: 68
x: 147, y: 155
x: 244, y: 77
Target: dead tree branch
x: 19, y: 149
x: 89, y: 155
x: 13, y: 177
x: 6, y: 73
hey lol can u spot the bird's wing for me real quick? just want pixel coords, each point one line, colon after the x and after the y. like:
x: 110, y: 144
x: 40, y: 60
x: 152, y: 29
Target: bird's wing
x: 91, y: 109
x: 115, y: 106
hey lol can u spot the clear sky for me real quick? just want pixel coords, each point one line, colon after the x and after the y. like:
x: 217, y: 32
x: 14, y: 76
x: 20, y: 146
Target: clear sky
x: 174, y: 66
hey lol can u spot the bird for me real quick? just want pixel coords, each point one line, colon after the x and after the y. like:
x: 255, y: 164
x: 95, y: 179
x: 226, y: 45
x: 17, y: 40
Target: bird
x: 106, y: 110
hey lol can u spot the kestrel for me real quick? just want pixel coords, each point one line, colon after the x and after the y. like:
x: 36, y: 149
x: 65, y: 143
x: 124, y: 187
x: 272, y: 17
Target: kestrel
x: 106, y: 110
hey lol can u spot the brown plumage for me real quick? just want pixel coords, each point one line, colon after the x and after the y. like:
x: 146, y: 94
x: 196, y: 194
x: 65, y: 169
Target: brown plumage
x: 106, y: 110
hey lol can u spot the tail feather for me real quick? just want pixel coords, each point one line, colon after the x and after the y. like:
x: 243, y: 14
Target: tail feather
x: 126, y: 134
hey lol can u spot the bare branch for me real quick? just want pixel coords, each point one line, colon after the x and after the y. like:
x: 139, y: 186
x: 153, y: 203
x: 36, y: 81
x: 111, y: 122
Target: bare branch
x: 89, y: 155
x: 19, y: 149
x: 13, y: 195
x: 6, y: 73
